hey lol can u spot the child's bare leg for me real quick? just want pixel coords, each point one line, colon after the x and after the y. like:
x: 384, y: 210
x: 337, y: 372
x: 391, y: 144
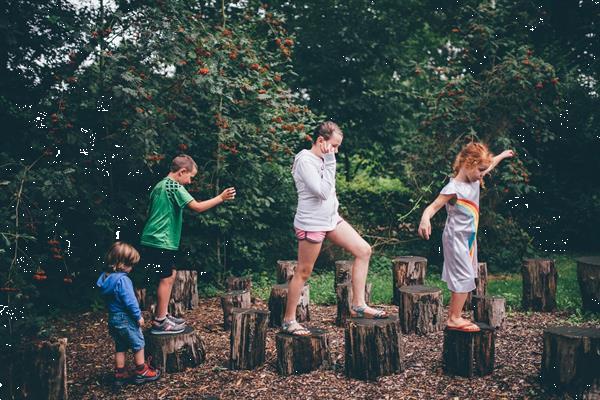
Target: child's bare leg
x: 163, y: 294
x: 457, y: 301
x: 120, y: 359
x: 307, y: 256
x: 138, y: 357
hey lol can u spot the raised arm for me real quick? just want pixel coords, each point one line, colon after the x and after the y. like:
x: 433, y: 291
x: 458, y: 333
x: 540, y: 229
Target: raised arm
x: 496, y: 160
x: 425, y: 224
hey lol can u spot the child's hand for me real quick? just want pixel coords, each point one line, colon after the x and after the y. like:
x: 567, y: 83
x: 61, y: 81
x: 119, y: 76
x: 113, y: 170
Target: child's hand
x: 141, y: 322
x: 425, y: 229
x: 326, y: 147
x: 228, y: 194
x: 507, y: 154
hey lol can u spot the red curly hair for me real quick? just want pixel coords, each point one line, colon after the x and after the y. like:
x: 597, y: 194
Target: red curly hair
x: 472, y: 155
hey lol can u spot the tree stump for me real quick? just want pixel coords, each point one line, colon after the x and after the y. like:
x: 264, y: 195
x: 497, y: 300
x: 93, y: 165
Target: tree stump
x: 343, y: 272
x: 421, y: 309
x: 278, y: 301
x: 469, y: 353
x: 301, y: 354
x: 539, y: 284
x: 285, y: 270
x: 184, y: 295
x: 175, y: 352
x: 343, y: 294
x: 146, y: 301
x: 571, y: 359
x: 409, y: 270
x: 44, y: 374
x: 238, y: 283
x: 489, y: 310
x: 231, y: 300
x: 588, y: 275
x: 373, y: 347
x: 480, y: 286
x: 248, y: 338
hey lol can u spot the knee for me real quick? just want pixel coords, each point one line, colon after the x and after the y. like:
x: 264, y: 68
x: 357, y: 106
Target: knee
x: 364, y: 251
x: 302, y: 273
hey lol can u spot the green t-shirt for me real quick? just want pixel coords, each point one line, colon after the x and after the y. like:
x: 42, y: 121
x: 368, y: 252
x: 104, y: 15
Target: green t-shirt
x: 165, y: 216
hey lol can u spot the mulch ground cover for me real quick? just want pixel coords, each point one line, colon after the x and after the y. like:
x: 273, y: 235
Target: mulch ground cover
x: 518, y: 358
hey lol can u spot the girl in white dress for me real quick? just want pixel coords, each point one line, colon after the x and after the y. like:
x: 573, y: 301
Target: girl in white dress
x: 461, y: 198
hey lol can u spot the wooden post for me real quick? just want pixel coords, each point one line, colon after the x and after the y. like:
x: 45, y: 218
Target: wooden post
x: 184, y: 295
x: 300, y: 354
x: 44, y: 375
x: 248, y: 338
x: 588, y: 275
x: 373, y: 347
x: 343, y: 294
x: 421, y: 309
x: 343, y: 272
x: 539, y: 284
x: 285, y: 270
x: 278, y: 301
x: 469, y: 353
x: 409, y: 270
x: 489, y: 310
x: 238, y: 283
x: 481, y: 282
x: 231, y: 300
x: 571, y: 360
x: 175, y: 352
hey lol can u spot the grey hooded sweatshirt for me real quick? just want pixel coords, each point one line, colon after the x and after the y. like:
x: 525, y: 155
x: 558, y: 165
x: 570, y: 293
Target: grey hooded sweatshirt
x: 315, y: 182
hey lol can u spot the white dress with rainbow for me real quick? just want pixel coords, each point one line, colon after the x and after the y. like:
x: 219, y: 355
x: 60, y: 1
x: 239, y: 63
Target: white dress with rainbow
x: 460, y: 236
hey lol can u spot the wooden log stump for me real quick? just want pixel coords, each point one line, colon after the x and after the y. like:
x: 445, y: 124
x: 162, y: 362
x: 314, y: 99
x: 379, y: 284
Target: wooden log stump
x: 146, y: 301
x: 588, y: 275
x: 285, y: 270
x: 343, y: 272
x: 248, y: 338
x: 489, y: 310
x: 301, y: 354
x: 481, y: 281
x: 184, y: 295
x: 421, y: 309
x: 539, y: 284
x: 44, y: 374
x: 469, y: 353
x: 373, y: 347
x: 231, y: 300
x: 238, y: 283
x: 409, y: 270
x: 175, y: 352
x: 344, y: 295
x: 278, y: 301
x: 571, y: 360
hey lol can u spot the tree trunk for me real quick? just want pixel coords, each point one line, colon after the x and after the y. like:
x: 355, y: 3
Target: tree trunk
x: 285, y: 270
x: 343, y: 272
x: 300, y: 354
x: 409, y: 270
x: 571, y: 360
x: 469, y: 353
x: 481, y: 282
x: 278, y: 301
x: 231, y: 300
x: 373, y: 347
x: 248, y: 338
x: 421, y: 309
x: 539, y: 284
x: 239, y: 283
x: 175, y: 352
x: 489, y: 310
x: 588, y: 275
x: 44, y: 374
x: 343, y: 294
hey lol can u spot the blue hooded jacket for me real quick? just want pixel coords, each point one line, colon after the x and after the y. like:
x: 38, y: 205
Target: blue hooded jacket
x: 118, y: 293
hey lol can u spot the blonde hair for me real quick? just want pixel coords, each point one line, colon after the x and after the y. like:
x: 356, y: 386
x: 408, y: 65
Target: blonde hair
x: 121, y: 256
x: 183, y: 161
x: 327, y: 129
x: 472, y: 155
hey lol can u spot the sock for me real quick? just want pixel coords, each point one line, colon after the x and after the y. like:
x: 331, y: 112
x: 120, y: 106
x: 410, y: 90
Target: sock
x: 140, y: 367
x: 120, y: 370
x: 159, y: 319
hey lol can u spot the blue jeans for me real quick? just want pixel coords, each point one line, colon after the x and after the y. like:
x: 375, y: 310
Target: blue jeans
x: 126, y: 332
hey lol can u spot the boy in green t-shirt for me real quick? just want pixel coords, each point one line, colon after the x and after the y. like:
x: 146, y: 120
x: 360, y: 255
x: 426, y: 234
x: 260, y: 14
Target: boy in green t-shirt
x: 162, y: 233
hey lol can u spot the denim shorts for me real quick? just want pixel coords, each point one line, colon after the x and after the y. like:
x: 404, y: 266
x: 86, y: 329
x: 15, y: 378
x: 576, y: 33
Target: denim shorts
x: 161, y: 262
x: 126, y: 332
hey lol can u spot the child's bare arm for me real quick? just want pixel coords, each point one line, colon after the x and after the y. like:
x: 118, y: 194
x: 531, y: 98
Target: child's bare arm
x: 496, y: 160
x: 201, y: 206
x: 425, y: 224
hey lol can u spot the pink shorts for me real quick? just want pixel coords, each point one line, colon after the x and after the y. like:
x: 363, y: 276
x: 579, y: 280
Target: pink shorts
x: 313, y: 236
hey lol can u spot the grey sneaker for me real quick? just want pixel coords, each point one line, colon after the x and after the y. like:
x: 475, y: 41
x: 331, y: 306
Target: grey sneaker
x: 175, y: 320
x: 166, y: 327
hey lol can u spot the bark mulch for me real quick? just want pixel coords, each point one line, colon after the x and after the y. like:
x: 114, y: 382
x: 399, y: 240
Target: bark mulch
x: 518, y: 358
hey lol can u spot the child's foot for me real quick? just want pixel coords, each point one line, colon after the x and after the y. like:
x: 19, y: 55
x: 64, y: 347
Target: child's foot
x: 145, y: 373
x: 365, y: 311
x: 166, y: 327
x: 175, y: 320
x: 294, y: 328
x: 463, y: 325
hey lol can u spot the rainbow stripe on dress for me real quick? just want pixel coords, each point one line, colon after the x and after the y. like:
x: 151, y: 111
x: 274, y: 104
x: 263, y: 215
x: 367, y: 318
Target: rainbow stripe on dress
x: 472, y: 210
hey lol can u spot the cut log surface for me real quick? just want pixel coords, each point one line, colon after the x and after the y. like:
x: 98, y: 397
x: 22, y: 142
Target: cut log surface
x: 238, y: 283
x: 469, y: 353
x: 231, y: 300
x: 373, y: 347
x: 285, y: 270
x: 344, y: 295
x: 588, y: 275
x: 571, y: 360
x: 301, y: 354
x: 175, y: 352
x: 490, y: 310
x: 421, y: 309
x: 539, y: 284
x: 278, y: 301
x: 248, y: 338
x: 408, y: 270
